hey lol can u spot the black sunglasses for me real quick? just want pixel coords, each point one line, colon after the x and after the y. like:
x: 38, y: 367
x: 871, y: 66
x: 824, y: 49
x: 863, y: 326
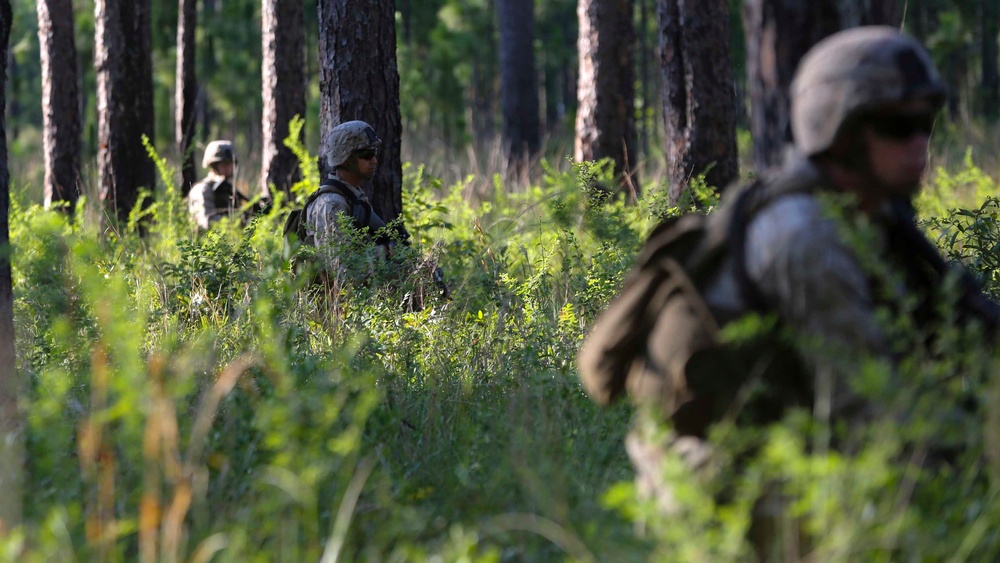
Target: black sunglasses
x: 366, y: 154
x: 901, y: 126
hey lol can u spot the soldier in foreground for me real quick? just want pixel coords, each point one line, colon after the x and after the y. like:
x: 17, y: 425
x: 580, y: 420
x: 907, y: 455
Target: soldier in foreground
x: 215, y: 196
x: 863, y: 106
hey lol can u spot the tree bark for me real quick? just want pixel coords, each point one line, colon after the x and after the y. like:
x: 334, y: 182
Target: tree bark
x: 358, y: 80
x: 208, y: 15
x: 186, y: 91
x: 518, y: 80
x: 484, y: 81
x: 854, y: 13
x: 778, y: 34
x: 124, y: 63
x: 990, y: 22
x: 698, y: 102
x: 11, y: 429
x: 60, y: 103
x: 605, y: 116
x: 283, y: 75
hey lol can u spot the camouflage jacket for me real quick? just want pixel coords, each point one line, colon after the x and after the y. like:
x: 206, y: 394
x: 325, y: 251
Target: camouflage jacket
x: 212, y: 199
x: 324, y: 218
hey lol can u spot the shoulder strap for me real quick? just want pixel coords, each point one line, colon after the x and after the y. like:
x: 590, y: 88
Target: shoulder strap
x: 360, y: 211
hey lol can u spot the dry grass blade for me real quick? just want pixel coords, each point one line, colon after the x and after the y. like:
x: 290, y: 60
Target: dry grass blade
x: 173, y: 521
x: 209, y: 547
x: 336, y: 542
x: 542, y: 526
x: 209, y: 407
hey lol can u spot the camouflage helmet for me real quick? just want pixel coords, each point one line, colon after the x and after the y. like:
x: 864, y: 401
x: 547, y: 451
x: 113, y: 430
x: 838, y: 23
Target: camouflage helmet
x: 218, y: 151
x: 349, y: 137
x: 853, y: 71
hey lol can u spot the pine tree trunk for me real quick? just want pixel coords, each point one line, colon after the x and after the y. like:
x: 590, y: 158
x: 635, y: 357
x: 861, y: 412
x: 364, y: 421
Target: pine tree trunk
x: 486, y: 85
x: 60, y: 102
x: 518, y: 79
x: 605, y: 116
x: 359, y: 80
x: 208, y: 16
x: 645, y: 52
x: 11, y: 429
x: 886, y: 12
x: 482, y: 97
x: 990, y: 21
x: 14, y: 95
x: 186, y: 91
x: 124, y: 63
x: 778, y: 34
x: 698, y: 102
x: 283, y: 76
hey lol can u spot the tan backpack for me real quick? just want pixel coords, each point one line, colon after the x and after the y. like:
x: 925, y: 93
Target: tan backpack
x: 659, y: 339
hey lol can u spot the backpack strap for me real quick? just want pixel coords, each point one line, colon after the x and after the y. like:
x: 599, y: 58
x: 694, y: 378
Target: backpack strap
x: 361, y: 211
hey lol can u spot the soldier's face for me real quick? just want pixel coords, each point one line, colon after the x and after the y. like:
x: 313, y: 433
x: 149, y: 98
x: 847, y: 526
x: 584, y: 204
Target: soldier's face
x: 897, y: 139
x: 365, y: 162
x: 224, y: 168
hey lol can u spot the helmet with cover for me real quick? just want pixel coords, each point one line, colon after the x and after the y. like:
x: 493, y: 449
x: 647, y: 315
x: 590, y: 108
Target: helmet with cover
x: 854, y: 71
x: 349, y: 137
x: 218, y: 151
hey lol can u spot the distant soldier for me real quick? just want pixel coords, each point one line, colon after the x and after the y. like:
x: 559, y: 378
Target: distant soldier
x: 352, y: 161
x: 789, y: 246
x: 215, y: 196
x: 351, y: 239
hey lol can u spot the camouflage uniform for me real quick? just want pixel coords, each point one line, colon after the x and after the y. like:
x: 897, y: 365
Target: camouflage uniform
x: 325, y: 214
x: 214, y: 197
x: 797, y: 257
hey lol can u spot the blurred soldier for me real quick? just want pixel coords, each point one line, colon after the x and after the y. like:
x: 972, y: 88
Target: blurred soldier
x: 863, y: 107
x: 215, y: 197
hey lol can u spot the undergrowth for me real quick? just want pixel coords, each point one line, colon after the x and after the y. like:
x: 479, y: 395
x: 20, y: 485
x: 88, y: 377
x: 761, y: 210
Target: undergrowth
x: 192, y: 397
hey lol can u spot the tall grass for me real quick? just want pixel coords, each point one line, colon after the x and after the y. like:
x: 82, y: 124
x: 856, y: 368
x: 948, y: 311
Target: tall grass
x: 191, y: 397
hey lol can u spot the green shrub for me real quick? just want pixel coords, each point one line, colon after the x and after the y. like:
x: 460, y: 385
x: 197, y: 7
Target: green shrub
x: 190, y: 397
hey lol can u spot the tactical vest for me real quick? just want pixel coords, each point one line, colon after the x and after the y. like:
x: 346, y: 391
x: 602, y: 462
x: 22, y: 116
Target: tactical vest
x: 223, y: 196
x: 361, y: 210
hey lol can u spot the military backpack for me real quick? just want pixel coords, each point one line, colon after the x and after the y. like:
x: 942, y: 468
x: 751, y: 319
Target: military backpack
x: 659, y: 339
x: 295, y: 232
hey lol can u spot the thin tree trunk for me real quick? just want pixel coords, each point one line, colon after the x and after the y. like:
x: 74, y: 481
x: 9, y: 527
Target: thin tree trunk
x: 551, y: 89
x: 482, y: 99
x: 284, y: 82
x: 990, y: 21
x: 518, y: 79
x: 11, y: 429
x: 698, y: 103
x: 208, y: 69
x: 569, y: 78
x: 358, y: 80
x: 123, y: 59
x: 186, y: 93
x: 644, y: 53
x: 605, y: 117
x: 60, y: 102
x: 14, y: 98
